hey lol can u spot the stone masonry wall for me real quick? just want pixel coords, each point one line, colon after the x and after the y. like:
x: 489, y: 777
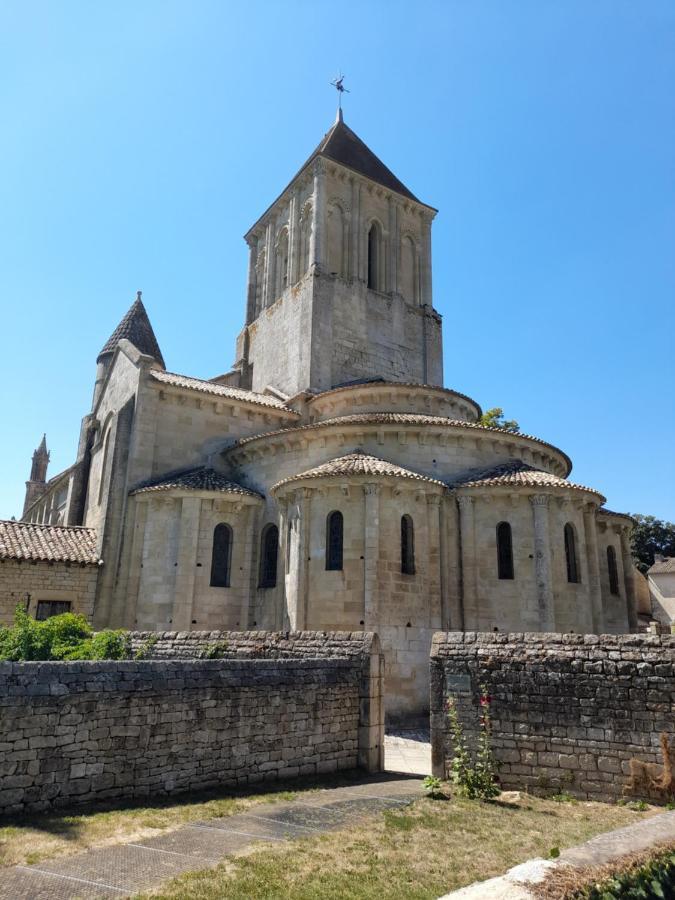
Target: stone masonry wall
x: 87, y: 731
x: 34, y: 581
x: 569, y: 711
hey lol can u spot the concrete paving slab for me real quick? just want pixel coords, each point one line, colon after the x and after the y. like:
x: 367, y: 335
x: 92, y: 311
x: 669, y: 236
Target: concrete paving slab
x: 23, y: 883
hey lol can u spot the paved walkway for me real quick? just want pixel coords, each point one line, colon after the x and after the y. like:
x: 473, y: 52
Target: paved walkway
x: 408, y: 751
x: 125, y: 869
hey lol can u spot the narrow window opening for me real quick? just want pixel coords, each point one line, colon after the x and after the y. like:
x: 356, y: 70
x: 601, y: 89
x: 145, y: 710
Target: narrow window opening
x: 504, y: 552
x: 269, y: 551
x: 612, y: 570
x: 374, y: 257
x: 407, y: 546
x: 221, y: 556
x: 334, y: 541
x: 571, y: 554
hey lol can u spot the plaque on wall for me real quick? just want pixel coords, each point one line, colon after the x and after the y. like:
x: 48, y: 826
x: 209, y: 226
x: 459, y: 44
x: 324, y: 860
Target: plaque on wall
x: 458, y: 682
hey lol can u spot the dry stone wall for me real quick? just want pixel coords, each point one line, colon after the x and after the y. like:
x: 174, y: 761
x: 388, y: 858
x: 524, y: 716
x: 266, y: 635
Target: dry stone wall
x: 569, y: 711
x: 83, y: 732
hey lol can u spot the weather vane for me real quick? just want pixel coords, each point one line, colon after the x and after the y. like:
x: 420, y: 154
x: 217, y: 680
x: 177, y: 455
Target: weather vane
x: 338, y: 84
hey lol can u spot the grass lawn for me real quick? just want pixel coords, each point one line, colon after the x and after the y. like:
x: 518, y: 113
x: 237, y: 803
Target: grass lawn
x: 28, y: 839
x: 420, y: 852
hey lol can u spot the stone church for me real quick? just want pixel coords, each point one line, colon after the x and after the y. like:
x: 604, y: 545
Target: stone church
x: 327, y: 481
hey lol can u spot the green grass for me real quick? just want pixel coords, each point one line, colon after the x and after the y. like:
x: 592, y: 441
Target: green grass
x: 419, y: 853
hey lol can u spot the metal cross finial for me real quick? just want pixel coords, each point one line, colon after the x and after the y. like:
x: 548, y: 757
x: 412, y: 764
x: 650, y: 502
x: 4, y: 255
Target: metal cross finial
x: 338, y: 84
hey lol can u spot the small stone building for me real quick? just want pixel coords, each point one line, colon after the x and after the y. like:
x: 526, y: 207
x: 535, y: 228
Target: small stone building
x: 661, y: 580
x: 329, y: 480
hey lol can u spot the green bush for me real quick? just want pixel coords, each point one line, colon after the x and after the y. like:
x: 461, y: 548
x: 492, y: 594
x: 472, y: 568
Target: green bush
x: 653, y: 881
x: 64, y: 637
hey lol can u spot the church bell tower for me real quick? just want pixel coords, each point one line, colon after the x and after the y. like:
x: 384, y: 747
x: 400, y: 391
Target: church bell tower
x: 339, y: 283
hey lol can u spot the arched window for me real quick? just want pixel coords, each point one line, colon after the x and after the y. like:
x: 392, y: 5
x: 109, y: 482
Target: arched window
x: 407, y: 546
x: 281, y: 264
x: 334, y: 536
x: 221, y: 556
x: 504, y: 552
x: 269, y: 551
x: 612, y: 570
x: 571, y: 554
x: 335, y: 235
x: 374, y: 257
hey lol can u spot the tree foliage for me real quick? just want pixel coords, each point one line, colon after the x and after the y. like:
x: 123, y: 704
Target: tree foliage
x: 494, y: 418
x: 651, y: 535
x: 64, y: 637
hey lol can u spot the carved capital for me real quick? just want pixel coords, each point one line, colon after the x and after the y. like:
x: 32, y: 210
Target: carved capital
x: 540, y: 499
x: 434, y: 499
x: 371, y: 490
x: 465, y: 502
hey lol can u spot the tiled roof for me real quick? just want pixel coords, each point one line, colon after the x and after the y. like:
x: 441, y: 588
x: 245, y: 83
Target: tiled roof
x: 518, y: 473
x: 200, y: 478
x: 355, y: 464
x: 53, y: 543
x: 135, y: 327
x: 394, y: 418
x: 381, y: 383
x: 219, y: 390
x: 610, y: 512
x: 663, y: 566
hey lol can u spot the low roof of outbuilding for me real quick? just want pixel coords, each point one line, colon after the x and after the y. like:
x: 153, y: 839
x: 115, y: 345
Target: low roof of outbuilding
x: 47, y: 543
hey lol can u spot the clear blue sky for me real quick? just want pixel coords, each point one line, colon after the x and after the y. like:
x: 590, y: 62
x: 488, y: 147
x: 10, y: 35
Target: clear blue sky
x: 141, y: 139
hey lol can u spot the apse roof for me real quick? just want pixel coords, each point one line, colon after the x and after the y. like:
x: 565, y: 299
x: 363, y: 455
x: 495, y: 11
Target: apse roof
x: 136, y: 328
x: 358, y: 463
x: 516, y: 473
x: 200, y: 478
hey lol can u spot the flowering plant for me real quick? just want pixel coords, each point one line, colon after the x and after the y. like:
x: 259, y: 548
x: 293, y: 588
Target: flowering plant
x: 477, y: 780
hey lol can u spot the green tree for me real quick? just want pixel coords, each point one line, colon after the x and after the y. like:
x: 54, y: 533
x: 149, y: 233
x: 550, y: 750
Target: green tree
x: 650, y: 536
x: 494, y: 418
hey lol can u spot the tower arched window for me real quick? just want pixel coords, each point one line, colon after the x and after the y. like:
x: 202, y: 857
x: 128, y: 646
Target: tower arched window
x: 375, y: 257
x: 334, y: 540
x: 269, y: 552
x: 305, y: 237
x: 571, y: 554
x: 612, y: 571
x: 504, y: 552
x: 336, y: 239
x: 407, y: 546
x: 221, y: 555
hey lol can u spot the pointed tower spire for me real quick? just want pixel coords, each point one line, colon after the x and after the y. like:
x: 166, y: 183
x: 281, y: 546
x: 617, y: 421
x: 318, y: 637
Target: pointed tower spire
x: 136, y: 328
x: 35, y: 486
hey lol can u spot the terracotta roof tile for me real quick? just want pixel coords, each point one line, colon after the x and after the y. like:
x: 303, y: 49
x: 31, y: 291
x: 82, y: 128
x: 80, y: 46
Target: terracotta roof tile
x: 52, y: 543
x: 200, y: 478
x: 394, y: 418
x: 135, y: 327
x: 358, y: 464
x: 387, y: 385
x: 219, y: 390
x: 662, y: 566
x: 518, y: 473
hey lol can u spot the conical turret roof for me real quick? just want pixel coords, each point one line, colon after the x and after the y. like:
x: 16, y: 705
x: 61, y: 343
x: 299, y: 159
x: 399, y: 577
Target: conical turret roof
x: 136, y: 328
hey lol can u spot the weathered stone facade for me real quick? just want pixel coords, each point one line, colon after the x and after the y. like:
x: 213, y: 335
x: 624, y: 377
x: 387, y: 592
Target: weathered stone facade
x: 91, y: 731
x: 569, y: 711
x: 28, y: 584
x: 204, y: 495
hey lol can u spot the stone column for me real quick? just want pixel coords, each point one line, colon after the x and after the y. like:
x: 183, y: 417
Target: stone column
x: 267, y: 275
x: 629, y: 580
x: 354, y: 261
x: 468, y: 557
x: 542, y: 561
x: 281, y: 614
x: 250, y: 290
x: 317, y: 238
x: 371, y: 552
x: 594, y: 587
x: 303, y: 558
x: 251, y: 565
x: 184, y: 588
x: 135, y: 562
x: 453, y: 617
x: 434, y: 558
